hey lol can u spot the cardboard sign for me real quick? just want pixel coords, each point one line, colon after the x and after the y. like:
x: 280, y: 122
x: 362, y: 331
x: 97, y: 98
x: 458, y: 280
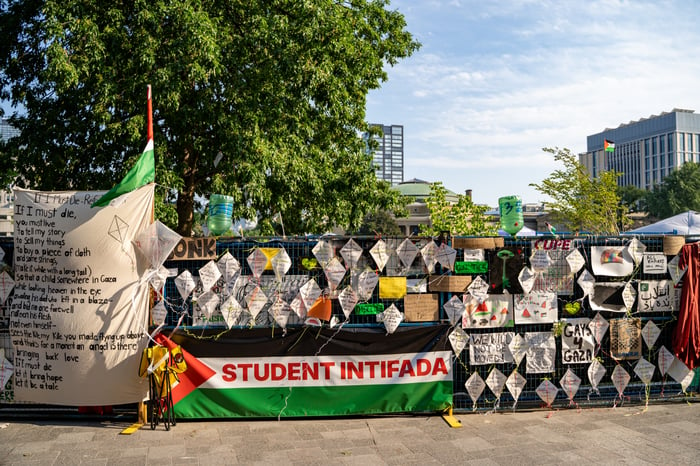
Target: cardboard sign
x: 193, y: 249
x: 626, y: 338
x: 421, y: 307
x: 449, y: 283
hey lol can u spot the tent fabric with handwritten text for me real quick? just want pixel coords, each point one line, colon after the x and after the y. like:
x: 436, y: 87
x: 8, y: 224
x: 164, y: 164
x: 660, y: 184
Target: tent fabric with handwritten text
x: 80, y: 306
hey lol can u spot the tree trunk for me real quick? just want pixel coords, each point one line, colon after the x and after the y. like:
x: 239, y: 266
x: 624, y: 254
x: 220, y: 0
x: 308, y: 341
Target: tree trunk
x: 185, y: 197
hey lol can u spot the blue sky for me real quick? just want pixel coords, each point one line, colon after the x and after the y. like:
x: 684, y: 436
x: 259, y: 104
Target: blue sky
x: 496, y: 81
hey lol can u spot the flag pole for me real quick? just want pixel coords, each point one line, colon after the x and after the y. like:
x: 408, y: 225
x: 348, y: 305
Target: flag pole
x: 150, y: 113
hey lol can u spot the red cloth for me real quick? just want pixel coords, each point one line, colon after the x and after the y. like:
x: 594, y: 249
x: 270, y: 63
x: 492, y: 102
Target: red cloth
x: 686, y: 335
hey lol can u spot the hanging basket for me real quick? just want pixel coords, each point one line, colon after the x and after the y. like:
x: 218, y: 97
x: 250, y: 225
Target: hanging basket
x: 673, y: 244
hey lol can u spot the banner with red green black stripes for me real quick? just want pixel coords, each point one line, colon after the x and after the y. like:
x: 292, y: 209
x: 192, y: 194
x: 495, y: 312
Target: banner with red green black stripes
x: 312, y: 372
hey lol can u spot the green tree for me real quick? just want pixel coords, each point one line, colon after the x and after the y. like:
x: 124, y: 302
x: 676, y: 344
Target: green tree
x: 380, y: 222
x: 580, y: 203
x: 632, y: 197
x: 263, y: 100
x: 460, y: 218
x: 677, y: 193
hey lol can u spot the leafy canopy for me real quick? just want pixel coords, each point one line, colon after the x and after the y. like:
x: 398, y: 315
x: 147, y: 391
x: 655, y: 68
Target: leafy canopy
x: 277, y: 88
x: 461, y: 218
x: 677, y: 193
x: 580, y: 203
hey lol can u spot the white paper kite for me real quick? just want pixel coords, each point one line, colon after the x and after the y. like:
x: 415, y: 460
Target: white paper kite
x: 156, y: 243
x: 644, y: 370
x: 518, y: 348
x: 366, y: 283
x: 666, y: 358
x: 547, y: 391
x: 281, y: 312
x: 587, y: 283
x: 334, y: 322
x: 575, y: 260
x: 231, y: 310
x: 515, y: 385
x: 256, y: 301
x: 596, y: 371
x: 446, y: 256
x: 185, y: 284
x: 158, y: 278
x: 209, y: 274
x: 620, y: 378
x: 257, y: 261
x: 429, y: 253
x: 636, y: 249
x: 207, y: 302
x: 334, y: 273
x: 475, y: 387
x: 681, y: 374
x: 6, y: 371
x: 310, y: 292
x: 599, y: 327
x: 281, y: 263
x: 527, y: 279
x: 351, y: 253
x: 540, y: 261
x: 407, y: 252
x: 6, y: 286
x: 2, y: 254
x: 228, y: 266
x: 650, y: 333
x: 159, y: 313
x: 629, y: 295
x: 674, y: 270
x: 478, y: 288
x: 391, y: 318
x: 569, y: 384
x: 347, y: 299
x: 496, y: 381
x: 323, y: 252
x: 458, y: 339
x: 298, y: 307
x: 454, y: 308
x: 380, y: 253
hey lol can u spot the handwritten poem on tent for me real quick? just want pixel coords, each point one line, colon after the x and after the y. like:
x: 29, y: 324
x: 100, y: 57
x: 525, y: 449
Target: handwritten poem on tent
x: 78, y: 313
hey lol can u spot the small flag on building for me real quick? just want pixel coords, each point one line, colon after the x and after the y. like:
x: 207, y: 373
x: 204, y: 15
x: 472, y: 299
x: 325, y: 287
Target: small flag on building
x: 609, y: 146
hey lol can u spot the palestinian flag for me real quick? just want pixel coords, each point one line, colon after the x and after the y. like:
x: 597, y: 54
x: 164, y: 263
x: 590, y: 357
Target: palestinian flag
x: 608, y: 146
x: 259, y: 373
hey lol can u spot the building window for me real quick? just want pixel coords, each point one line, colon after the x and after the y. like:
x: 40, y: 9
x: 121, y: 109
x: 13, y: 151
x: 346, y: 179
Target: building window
x: 670, y: 142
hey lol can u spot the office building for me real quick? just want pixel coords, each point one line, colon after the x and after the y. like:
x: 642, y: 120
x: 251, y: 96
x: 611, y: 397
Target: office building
x: 388, y: 157
x: 646, y: 150
x: 6, y: 199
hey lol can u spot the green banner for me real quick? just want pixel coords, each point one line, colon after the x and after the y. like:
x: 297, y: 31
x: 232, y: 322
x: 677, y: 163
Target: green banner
x: 475, y: 267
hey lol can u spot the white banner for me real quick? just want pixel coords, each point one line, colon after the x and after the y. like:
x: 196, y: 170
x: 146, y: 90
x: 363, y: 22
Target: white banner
x: 79, y: 311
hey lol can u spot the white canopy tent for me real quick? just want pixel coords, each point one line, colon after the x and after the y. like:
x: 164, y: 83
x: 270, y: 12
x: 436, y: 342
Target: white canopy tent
x: 686, y: 223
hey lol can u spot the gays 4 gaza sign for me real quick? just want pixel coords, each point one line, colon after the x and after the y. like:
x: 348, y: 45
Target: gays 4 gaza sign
x: 297, y: 374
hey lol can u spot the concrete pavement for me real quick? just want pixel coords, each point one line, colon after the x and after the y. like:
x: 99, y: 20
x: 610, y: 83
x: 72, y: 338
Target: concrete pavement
x: 666, y: 433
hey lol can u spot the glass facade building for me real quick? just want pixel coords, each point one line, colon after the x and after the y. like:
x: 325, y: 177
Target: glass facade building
x: 646, y: 150
x: 388, y: 158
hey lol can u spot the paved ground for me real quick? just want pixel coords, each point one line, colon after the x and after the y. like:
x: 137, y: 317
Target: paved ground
x: 664, y: 434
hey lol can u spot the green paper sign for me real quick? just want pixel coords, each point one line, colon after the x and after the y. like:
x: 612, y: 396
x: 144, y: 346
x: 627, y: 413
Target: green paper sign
x: 475, y: 267
x: 367, y: 309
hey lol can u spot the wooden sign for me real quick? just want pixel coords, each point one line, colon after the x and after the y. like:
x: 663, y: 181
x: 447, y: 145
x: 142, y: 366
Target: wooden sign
x: 189, y: 249
x: 421, y: 307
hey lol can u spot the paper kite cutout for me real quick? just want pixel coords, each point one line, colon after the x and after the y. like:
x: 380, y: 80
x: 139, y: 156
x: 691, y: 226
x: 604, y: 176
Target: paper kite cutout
x: 209, y: 274
x: 475, y: 387
x: 407, y: 252
x: 458, y: 339
x: 391, y: 318
x: 185, y: 284
x: 351, y: 253
x: 570, y: 384
x: 547, y: 392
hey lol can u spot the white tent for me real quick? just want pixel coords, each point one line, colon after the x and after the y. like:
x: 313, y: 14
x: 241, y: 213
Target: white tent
x: 524, y: 232
x: 687, y: 223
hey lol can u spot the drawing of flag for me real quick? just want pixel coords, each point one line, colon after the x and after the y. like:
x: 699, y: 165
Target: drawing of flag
x: 609, y: 146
